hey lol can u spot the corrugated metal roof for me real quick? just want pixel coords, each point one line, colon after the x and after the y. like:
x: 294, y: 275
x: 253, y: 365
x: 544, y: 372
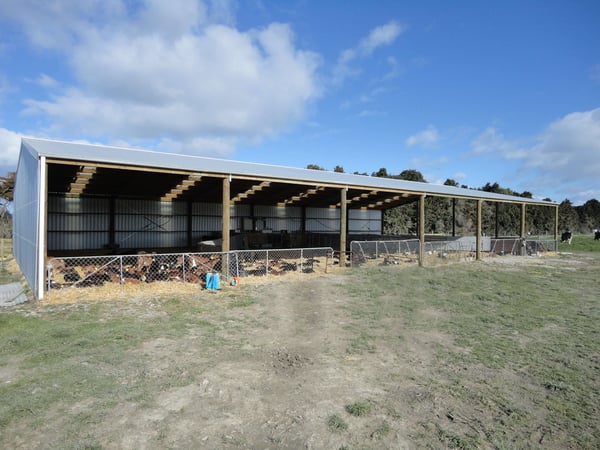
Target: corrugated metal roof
x: 101, y: 154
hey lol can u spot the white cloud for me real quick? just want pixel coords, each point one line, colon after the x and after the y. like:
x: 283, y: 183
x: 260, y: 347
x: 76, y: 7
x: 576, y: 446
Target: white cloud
x: 10, y: 143
x: 170, y: 73
x: 383, y: 35
x: 493, y: 142
x: 46, y: 81
x: 564, y: 157
x: 569, y: 148
x: 370, y: 113
x: 377, y: 37
x: 426, y: 138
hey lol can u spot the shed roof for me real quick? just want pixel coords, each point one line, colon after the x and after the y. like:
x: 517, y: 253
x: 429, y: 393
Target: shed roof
x: 131, y: 163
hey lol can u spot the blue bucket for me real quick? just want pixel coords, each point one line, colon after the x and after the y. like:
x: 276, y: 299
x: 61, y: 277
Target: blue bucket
x: 212, y: 281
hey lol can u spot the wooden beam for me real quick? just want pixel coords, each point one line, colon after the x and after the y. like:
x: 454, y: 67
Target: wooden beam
x: 226, y: 215
x: 523, y: 230
x: 556, y: 225
x: 478, y: 231
x: 421, y: 229
x: 183, y: 185
x: 343, y: 226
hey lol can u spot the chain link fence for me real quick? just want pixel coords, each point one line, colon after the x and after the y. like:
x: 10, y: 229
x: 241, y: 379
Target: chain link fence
x: 442, y: 251
x: 520, y: 247
x: 163, y: 273
x: 386, y: 252
x: 108, y: 275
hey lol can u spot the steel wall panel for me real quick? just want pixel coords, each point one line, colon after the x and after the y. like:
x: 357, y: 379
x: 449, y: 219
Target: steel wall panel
x: 276, y: 224
x: 323, y: 213
x: 142, y: 240
x: 149, y: 222
x: 276, y: 211
x: 128, y: 206
x: 241, y: 210
x: 76, y: 240
x: 77, y: 222
x: 364, y: 226
x: 26, y: 216
x: 207, y: 223
x: 207, y: 209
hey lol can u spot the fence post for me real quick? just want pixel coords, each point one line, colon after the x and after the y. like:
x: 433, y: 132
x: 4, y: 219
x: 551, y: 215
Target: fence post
x: 121, y: 278
x: 227, y: 266
x: 301, y: 260
x: 267, y: 263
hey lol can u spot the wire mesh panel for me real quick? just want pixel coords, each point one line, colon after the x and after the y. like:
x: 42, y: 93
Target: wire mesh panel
x: 280, y: 262
x: 522, y: 247
x: 115, y: 274
x: 516, y: 246
x: 439, y: 252
x: 385, y: 252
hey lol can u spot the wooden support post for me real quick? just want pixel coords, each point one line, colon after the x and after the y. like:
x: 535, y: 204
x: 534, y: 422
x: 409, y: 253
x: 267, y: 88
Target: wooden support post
x: 523, y: 231
x: 478, y: 232
x: 453, y: 217
x: 497, y: 221
x: 343, y: 226
x: 421, y: 229
x: 226, y: 214
x: 556, y: 226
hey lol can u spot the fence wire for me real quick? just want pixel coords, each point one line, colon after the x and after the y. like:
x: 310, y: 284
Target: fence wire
x: 442, y: 251
x: 521, y: 247
x: 117, y: 271
x: 389, y: 252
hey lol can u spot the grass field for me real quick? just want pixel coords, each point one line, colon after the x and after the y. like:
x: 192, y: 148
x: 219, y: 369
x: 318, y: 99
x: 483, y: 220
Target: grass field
x: 496, y: 354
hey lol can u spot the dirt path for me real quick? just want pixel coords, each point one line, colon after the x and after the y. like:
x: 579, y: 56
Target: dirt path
x: 276, y: 391
x: 272, y: 373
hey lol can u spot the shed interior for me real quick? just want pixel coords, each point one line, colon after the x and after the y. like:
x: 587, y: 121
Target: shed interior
x: 118, y: 209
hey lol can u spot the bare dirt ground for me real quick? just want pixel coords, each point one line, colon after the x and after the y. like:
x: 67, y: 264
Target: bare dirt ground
x: 298, y: 361
x: 278, y: 391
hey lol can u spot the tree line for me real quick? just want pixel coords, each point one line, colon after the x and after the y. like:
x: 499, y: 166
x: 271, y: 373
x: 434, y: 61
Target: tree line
x: 453, y: 216
x: 7, y: 188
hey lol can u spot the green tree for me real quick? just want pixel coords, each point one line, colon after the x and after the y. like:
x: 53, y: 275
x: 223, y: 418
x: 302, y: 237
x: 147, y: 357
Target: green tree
x: 338, y: 169
x: 381, y: 173
x: 589, y: 215
x: 7, y: 189
x: 411, y: 175
x: 7, y: 186
x: 315, y: 167
x: 568, y: 219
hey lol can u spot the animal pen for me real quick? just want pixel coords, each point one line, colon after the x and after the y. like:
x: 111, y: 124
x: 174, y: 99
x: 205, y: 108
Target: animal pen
x: 91, y: 216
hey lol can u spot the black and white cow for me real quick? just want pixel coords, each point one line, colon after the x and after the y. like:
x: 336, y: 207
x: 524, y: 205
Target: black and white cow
x: 597, y: 235
x: 566, y: 237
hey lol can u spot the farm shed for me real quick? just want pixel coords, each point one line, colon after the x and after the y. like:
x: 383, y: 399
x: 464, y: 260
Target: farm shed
x: 74, y: 199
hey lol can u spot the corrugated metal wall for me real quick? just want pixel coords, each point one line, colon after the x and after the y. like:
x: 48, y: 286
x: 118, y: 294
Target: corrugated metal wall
x: 84, y: 223
x: 25, y: 226
x: 277, y: 218
x: 364, y: 221
x: 77, y: 223
x: 322, y: 220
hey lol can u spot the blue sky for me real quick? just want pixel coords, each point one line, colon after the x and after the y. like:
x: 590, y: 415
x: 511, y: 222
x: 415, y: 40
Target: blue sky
x: 477, y: 91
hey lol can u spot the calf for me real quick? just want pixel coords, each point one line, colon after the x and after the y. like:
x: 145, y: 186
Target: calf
x: 597, y: 235
x: 566, y: 237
